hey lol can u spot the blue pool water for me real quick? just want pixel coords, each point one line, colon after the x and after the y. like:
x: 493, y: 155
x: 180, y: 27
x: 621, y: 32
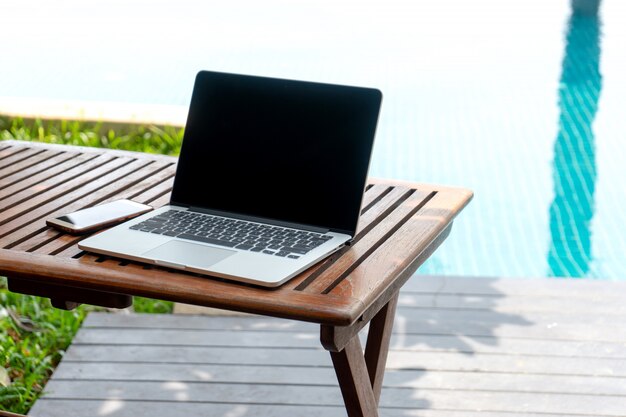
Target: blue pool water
x: 521, y: 101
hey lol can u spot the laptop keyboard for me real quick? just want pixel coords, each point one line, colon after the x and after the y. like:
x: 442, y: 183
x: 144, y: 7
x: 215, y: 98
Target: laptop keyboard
x: 232, y: 233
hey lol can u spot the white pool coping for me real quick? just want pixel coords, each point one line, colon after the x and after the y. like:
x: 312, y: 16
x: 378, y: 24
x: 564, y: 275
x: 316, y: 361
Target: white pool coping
x: 100, y: 111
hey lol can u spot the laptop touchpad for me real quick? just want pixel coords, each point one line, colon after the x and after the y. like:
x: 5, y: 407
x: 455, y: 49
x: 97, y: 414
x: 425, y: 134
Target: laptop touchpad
x: 190, y: 254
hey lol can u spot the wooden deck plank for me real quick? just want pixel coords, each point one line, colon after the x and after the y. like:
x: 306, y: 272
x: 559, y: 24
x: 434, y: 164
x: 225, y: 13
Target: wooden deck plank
x: 435, y: 323
x: 319, y: 375
x: 171, y: 337
x: 307, y: 395
x: 200, y: 355
x: 117, y: 408
x: 570, y: 288
x: 461, y: 343
x: 429, y: 323
x: 255, y: 365
x: 445, y: 361
x: 398, y: 359
x: 445, y: 343
x: 422, y: 321
x: 593, y: 304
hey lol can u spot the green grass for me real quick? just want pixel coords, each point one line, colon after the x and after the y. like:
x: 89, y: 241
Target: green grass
x: 140, y: 138
x: 30, y: 357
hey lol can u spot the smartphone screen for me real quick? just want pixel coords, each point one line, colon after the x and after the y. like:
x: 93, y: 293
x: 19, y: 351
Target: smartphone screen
x: 104, y: 214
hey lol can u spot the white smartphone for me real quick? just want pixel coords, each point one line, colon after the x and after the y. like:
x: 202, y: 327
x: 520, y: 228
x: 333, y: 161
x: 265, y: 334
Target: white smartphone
x: 98, y: 217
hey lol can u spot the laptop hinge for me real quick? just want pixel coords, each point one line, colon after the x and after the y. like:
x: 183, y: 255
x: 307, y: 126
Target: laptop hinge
x: 260, y: 220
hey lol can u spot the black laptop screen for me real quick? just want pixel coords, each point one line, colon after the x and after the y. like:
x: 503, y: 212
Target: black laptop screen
x: 277, y: 149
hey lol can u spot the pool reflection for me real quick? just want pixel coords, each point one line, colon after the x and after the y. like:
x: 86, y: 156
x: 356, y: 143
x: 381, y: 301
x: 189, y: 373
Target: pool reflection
x: 574, y: 167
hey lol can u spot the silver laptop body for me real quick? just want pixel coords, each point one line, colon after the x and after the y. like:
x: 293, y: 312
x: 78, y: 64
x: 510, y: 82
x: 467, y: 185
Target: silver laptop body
x: 270, y: 180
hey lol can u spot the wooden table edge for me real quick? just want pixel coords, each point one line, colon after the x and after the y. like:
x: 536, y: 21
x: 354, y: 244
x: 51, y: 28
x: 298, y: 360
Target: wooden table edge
x: 48, y: 270
x: 343, y: 310
x: 469, y: 194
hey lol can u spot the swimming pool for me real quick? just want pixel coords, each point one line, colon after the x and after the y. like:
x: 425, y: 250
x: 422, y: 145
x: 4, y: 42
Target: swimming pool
x: 520, y: 101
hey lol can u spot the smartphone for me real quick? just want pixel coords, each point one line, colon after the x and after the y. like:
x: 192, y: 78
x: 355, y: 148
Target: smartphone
x: 98, y: 217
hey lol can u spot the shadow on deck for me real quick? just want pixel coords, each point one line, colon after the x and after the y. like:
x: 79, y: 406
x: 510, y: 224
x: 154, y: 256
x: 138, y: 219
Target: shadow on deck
x: 461, y: 347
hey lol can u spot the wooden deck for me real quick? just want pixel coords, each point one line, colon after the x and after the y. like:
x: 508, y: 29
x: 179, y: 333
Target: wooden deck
x: 461, y: 347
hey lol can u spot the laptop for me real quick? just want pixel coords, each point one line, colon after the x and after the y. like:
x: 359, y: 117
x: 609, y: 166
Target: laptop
x: 269, y: 181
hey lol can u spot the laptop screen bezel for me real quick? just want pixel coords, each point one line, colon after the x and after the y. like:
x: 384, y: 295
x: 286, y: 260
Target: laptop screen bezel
x: 203, y: 79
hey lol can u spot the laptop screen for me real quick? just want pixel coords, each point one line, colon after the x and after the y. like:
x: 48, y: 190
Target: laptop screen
x: 277, y: 149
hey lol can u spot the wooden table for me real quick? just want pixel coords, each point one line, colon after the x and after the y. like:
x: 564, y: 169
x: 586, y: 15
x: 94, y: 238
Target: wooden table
x: 401, y: 224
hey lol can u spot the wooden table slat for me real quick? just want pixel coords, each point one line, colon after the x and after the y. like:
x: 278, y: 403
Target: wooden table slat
x: 28, y: 210
x: 12, y: 150
x: 51, y: 241
x: 377, y: 213
x: 369, y: 278
x: 388, y: 215
x: 105, y: 182
x: 379, y: 206
x: 160, y: 189
x: 48, y: 180
x: 19, y: 161
x: 56, y: 185
x: 161, y: 201
x: 21, y: 180
x: 35, y: 157
x: 372, y: 195
x: 35, y: 163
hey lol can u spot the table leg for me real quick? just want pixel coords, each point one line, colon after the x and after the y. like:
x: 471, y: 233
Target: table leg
x: 354, y: 382
x: 377, y: 346
x: 360, y: 374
